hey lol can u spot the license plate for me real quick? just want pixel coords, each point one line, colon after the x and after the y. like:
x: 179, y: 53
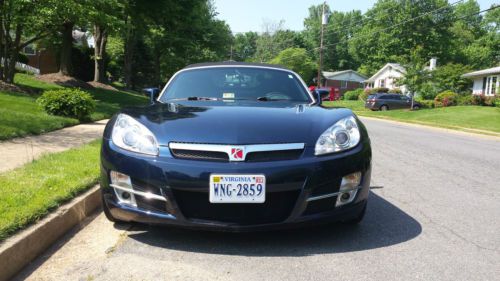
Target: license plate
x: 237, y: 188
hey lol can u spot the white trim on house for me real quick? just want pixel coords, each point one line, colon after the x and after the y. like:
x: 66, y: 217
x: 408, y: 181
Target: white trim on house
x: 386, y: 77
x: 486, y: 81
x: 344, y: 75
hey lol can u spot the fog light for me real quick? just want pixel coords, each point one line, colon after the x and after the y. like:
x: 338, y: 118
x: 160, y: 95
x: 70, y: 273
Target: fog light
x: 121, y: 183
x: 348, y: 188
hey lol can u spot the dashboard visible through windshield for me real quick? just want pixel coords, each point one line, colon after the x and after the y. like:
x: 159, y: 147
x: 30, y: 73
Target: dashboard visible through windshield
x: 236, y: 83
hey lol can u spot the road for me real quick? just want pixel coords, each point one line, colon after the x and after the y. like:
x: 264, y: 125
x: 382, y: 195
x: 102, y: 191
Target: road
x: 437, y: 218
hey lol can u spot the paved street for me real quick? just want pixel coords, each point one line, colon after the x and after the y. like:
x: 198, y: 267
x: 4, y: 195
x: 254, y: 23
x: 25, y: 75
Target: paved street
x: 437, y: 218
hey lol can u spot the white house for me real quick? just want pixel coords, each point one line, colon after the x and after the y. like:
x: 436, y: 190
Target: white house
x: 486, y: 81
x: 386, y: 77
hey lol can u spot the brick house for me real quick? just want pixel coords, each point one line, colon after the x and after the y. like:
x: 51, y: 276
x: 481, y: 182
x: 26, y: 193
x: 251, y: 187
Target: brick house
x: 345, y: 80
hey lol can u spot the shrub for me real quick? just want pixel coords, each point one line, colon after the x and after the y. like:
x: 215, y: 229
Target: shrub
x: 467, y: 100
x: 426, y: 103
x: 22, y: 58
x: 353, y: 95
x: 446, y: 98
x: 485, y: 100
x: 364, y: 95
x: 73, y: 103
x: 380, y: 90
x: 395, y: 91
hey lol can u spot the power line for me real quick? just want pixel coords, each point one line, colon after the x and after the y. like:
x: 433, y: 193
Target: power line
x: 396, y: 25
x: 338, y: 29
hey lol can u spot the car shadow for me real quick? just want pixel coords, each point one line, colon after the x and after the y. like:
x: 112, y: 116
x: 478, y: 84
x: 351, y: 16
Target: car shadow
x: 384, y: 225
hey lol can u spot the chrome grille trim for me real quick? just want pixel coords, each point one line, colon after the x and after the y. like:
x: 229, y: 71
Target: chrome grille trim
x: 227, y: 148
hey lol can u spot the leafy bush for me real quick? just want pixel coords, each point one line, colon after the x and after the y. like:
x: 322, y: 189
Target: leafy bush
x: 364, y: 95
x: 353, y: 95
x: 395, y: 91
x: 22, y: 58
x: 467, y: 100
x: 68, y: 103
x: 426, y: 103
x: 446, y: 98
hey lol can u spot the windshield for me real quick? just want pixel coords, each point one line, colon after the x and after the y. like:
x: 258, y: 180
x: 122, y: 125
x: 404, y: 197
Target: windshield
x: 236, y: 83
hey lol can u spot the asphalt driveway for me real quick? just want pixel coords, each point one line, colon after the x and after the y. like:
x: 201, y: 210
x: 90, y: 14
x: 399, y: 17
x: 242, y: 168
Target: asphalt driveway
x: 437, y: 218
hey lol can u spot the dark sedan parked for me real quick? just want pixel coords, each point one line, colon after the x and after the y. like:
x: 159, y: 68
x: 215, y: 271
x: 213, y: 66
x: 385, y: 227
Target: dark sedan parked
x: 384, y: 101
x: 235, y: 146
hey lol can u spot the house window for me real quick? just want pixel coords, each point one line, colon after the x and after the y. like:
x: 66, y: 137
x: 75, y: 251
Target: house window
x: 343, y: 84
x: 29, y: 50
x: 490, y: 85
x: 381, y: 83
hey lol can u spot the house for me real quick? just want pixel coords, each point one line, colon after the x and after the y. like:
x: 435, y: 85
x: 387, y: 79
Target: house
x: 386, y: 77
x: 486, y: 81
x: 46, y: 59
x: 344, y: 80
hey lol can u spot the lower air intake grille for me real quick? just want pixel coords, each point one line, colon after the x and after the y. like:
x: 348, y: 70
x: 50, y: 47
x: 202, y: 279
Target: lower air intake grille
x: 277, y: 208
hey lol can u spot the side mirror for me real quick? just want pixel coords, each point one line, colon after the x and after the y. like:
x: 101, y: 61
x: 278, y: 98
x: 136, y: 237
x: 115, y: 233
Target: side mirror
x: 153, y: 94
x: 320, y: 96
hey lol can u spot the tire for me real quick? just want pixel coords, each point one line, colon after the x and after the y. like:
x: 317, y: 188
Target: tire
x: 356, y: 220
x: 107, y: 213
x: 384, y: 108
x: 416, y: 107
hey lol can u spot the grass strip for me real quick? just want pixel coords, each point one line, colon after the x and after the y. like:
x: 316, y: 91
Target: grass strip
x: 30, y: 192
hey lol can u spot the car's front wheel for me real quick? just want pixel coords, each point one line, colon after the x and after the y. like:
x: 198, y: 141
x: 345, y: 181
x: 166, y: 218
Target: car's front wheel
x: 416, y: 107
x: 384, y: 108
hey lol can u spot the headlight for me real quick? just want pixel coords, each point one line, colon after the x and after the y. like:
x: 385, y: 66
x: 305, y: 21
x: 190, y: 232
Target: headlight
x: 132, y: 135
x: 341, y: 136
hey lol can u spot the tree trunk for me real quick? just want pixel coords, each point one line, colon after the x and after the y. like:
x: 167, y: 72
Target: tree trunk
x: 129, y: 53
x: 66, y: 67
x: 10, y: 65
x: 100, y: 41
x: 1, y: 38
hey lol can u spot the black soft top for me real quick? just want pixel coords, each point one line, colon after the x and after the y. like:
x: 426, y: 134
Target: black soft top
x: 235, y: 63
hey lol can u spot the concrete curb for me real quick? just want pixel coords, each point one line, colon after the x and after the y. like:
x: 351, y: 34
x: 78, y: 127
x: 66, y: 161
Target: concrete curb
x: 466, y: 132
x: 19, y: 250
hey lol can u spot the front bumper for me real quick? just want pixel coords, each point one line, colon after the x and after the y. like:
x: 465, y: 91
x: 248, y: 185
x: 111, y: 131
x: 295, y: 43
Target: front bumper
x: 291, y: 187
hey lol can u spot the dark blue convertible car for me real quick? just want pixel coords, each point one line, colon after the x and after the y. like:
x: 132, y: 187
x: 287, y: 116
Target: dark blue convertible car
x: 235, y: 146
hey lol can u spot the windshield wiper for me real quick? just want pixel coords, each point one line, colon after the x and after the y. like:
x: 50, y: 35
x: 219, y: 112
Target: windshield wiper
x: 197, y: 98
x: 269, y: 99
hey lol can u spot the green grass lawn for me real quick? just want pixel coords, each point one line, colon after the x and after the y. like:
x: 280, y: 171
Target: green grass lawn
x: 20, y: 115
x: 467, y: 118
x: 30, y: 192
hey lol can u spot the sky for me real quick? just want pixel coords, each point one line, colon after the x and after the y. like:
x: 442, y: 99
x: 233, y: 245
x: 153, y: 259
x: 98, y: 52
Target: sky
x: 249, y: 15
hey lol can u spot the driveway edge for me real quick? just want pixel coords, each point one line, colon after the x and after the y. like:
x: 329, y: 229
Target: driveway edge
x: 19, y: 250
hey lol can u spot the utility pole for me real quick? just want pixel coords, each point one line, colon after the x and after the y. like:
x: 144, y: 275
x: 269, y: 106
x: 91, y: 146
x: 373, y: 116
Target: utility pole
x: 324, y: 21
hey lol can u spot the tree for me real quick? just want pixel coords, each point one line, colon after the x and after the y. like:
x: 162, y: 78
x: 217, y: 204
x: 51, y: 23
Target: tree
x: 245, y: 46
x: 63, y: 16
x: 297, y: 60
x: 15, y: 33
x: 105, y: 17
x: 393, y: 28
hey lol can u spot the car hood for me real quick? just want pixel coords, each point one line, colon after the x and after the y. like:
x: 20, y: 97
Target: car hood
x: 236, y: 122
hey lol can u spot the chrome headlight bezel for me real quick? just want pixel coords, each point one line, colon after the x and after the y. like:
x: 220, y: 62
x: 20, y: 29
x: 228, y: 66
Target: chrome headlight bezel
x: 343, y: 135
x: 131, y: 135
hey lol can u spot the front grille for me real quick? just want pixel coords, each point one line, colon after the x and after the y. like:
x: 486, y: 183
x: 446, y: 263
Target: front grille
x: 320, y: 206
x: 278, y: 155
x: 277, y: 207
x: 261, y: 156
x: 200, y: 155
